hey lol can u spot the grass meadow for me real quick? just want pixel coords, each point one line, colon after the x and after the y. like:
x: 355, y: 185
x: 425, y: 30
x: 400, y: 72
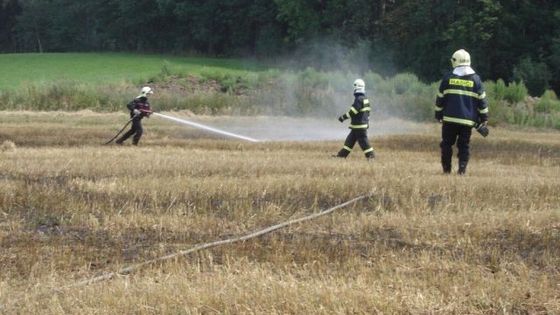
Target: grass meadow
x: 24, y: 70
x: 423, y: 243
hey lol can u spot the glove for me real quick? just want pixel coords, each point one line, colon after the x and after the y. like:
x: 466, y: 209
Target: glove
x: 482, y: 128
x: 341, y: 118
x: 135, y: 112
x: 439, y: 115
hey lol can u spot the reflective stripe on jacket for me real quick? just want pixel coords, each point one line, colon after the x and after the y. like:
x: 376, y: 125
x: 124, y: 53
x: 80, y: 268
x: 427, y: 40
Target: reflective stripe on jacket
x: 359, y: 112
x: 461, y: 100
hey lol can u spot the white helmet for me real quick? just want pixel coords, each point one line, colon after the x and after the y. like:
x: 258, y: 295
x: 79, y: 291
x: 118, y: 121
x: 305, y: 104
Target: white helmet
x: 359, y: 86
x: 145, y: 92
x: 460, y: 58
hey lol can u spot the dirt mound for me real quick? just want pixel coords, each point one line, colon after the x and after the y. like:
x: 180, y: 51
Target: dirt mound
x: 188, y: 85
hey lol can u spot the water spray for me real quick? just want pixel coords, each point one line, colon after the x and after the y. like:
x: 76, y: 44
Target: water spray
x: 208, y: 128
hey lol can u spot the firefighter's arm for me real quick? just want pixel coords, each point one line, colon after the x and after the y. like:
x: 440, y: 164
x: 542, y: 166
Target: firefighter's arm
x: 438, y: 107
x: 146, y: 111
x: 482, y: 104
x: 354, y: 110
x: 131, y: 106
x: 438, y: 112
x: 483, y: 113
x: 345, y: 116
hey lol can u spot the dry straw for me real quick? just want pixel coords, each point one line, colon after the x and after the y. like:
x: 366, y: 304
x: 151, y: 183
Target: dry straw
x: 133, y: 268
x: 7, y: 146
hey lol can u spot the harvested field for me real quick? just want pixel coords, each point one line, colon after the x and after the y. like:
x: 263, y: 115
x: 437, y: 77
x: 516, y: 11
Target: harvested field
x: 72, y: 209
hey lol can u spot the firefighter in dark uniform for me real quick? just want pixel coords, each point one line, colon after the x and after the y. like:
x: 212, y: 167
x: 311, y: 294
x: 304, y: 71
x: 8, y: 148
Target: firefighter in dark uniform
x: 139, y: 108
x: 359, y: 115
x: 460, y: 106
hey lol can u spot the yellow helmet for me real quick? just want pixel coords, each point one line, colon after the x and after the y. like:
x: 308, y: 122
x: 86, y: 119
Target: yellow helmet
x: 460, y: 58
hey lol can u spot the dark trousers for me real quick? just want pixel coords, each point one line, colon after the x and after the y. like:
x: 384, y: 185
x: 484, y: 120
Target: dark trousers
x: 360, y: 136
x: 135, y: 130
x: 451, y: 134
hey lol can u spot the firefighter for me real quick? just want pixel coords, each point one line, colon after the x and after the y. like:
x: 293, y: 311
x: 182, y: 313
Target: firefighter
x: 359, y: 115
x: 460, y: 106
x: 139, y: 108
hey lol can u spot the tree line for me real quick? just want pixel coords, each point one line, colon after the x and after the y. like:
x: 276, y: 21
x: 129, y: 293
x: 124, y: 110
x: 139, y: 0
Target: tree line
x: 515, y: 40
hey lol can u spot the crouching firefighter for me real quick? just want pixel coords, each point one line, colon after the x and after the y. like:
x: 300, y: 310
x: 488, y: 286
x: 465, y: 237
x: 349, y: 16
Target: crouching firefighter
x: 139, y: 108
x: 359, y: 115
x: 460, y: 106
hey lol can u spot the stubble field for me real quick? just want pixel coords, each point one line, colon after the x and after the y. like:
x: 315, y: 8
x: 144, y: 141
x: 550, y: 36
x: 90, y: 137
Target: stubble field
x: 422, y: 243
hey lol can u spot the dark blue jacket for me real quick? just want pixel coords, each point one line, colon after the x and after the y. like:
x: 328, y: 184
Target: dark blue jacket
x: 461, y: 100
x: 359, y: 112
x: 141, y: 104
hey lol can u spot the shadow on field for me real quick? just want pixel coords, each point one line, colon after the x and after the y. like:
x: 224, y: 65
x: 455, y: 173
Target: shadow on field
x: 535, y: 249
x: 482, y: 148
x: 103, y: 249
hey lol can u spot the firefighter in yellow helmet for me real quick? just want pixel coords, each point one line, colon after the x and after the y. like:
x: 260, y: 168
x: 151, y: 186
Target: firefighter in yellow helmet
x: 460, y: 106
x: 359, y: 115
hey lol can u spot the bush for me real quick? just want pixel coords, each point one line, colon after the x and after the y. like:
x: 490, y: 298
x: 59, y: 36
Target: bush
x: 535, y: 75
x: 496, y: 90
x: 307, y: 92
x: 405, y: 82
x: 313, y: 79
x: 68, y: 96
x: 515, y: 92
x: 548, y: 103
x: 512, y: 93
x: 342, y: 83
x: 375, y: 82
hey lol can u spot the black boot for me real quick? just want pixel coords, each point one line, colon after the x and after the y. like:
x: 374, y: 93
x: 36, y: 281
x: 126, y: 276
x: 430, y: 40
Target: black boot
x: 343, y: 153
x: 446, y: 166
x: 462, y: 168
x: 137, y: 137
x: 446, y: 163
x: 120, y: 140
x: 124, y: 137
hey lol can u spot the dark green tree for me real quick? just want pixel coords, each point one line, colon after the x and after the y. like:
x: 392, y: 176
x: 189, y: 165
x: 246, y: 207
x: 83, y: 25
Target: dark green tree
x: 32, y: 28
x: 387, y: 35
x: 535, y: 76
x: 553, y: 57
x: 9, y: 10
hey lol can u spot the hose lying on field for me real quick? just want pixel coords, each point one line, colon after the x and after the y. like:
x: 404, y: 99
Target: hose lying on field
x: 119, y: 133
x: 130, y: 269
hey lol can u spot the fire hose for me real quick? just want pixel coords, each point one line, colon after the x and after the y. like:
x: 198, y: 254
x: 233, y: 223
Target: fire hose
x: 139, y: 266
x: 119, y: 133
